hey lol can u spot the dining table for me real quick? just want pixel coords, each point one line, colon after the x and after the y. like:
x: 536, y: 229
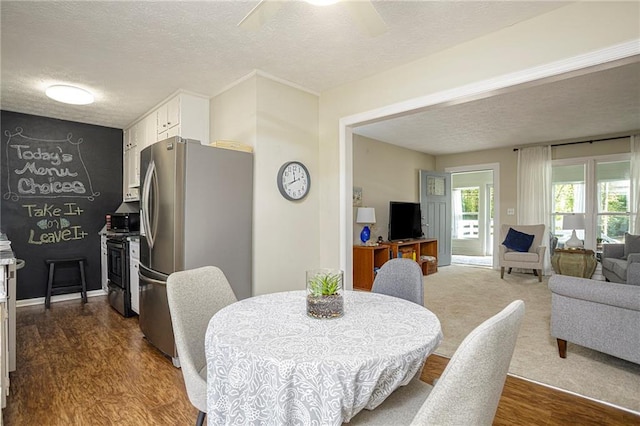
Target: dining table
x: 269, y: 363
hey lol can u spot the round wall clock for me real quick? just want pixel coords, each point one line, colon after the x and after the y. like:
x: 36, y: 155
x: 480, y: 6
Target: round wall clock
x: 294, y: 180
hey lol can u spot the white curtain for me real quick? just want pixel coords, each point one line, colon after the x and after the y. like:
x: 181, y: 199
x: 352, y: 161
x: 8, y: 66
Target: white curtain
x: 635, y: 185
x: 456, y: 201
x: 578, y: 198
x: 534, y: 192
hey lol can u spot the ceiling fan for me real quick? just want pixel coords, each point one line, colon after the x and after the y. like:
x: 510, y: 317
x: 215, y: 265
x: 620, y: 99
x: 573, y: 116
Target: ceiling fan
x: 364, y: 14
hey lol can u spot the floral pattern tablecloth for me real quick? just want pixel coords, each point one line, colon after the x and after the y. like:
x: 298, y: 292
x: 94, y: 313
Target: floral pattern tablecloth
x: 268, y: 363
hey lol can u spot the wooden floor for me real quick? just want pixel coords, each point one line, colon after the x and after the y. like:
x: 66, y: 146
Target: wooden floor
x: 87, y: 365
x: 526, y: 403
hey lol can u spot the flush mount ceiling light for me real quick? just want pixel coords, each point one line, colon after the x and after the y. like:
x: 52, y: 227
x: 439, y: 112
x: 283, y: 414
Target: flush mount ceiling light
x: 69, y: 94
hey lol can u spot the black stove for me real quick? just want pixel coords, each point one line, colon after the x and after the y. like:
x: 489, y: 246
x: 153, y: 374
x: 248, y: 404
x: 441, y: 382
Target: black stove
x: 121, y: 235
x: 118, y: 272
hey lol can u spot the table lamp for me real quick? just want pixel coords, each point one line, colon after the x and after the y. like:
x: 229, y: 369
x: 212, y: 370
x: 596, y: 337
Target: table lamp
x: 366, y: 216
x: 573, y: 222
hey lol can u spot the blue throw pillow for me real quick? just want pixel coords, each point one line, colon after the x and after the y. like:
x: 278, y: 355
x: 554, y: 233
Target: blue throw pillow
x: 518, y: 241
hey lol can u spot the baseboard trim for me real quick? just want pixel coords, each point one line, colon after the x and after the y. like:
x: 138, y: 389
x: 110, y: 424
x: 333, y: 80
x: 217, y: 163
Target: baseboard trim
x: 58, y: 298
x: 517, y: 376
x: 619, y: 407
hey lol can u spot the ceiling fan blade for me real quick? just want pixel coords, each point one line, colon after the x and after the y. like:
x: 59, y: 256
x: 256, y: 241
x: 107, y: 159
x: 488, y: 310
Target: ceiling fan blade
x: 366, y: 17
x: 260, y: 14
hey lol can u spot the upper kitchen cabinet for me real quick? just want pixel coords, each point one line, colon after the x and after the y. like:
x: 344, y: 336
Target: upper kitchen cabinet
x: 130, y: 165
x: 184, y: 114
x: 168, y: 116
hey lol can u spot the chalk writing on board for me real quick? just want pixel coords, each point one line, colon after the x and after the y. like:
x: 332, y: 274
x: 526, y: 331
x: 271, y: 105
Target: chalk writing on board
x: 41, y: 168
x: 54, y: 223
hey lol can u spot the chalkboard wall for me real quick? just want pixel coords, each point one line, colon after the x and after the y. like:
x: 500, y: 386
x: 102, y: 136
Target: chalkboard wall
x: 58, y: 180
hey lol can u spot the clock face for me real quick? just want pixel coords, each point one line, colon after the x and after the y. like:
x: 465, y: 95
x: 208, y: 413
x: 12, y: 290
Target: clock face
x: 294, y: 180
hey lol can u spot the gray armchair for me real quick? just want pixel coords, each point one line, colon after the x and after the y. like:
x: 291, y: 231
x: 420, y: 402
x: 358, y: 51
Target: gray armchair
x: 532, y: 259
x: 618, y: 268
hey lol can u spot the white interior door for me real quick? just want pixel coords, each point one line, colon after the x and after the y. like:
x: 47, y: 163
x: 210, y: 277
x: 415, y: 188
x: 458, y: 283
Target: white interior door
x: 435, y: 206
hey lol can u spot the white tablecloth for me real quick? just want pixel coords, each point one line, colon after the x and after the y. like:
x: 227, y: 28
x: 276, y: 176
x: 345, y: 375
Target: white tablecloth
x: 270, y: 364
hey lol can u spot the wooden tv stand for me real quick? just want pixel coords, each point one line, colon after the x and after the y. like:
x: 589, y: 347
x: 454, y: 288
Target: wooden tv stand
x: 367, y: 259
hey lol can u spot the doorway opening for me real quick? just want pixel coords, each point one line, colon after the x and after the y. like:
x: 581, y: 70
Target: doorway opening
x: 473, y: 216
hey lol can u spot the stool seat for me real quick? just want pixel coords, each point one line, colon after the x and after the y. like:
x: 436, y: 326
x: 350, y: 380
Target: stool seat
x: 62, y: 287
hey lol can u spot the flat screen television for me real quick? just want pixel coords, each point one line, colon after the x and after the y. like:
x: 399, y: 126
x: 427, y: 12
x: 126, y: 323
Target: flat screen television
x: 404, y: 221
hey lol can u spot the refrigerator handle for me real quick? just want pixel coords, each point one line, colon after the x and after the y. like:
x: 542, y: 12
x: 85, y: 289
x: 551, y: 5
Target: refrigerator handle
x: 146, y: 280
x: 146, y: 207
x: 145, y: 274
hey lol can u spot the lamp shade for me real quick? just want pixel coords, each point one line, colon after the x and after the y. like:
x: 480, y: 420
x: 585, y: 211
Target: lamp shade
x: 366, y: 215
x: 573, y: 221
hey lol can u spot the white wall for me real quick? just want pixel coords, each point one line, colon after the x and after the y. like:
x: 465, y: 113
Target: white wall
x: 233, y: 113
x: 560, y: 34
x: 385, y: 173
x: 281, y: 123
x: 286, y: 238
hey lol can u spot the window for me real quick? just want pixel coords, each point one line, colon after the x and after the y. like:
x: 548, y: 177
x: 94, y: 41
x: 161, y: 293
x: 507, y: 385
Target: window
x: 568, y: 194
x: 600, y: 189
x: 613, y: 194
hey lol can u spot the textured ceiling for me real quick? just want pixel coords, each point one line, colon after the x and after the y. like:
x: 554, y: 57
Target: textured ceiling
x: 599, y: 103
x: 132, y: 55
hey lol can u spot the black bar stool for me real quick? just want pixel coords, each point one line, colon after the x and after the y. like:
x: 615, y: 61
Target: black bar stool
x: 60, y: 287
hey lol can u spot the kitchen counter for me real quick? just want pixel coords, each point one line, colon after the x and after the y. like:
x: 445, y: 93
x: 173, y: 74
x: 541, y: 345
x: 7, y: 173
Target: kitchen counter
x: 7, y: 257
x: 6, y: 254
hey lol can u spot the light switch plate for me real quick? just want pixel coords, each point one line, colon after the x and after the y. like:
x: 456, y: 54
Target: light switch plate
x: 511, y: 212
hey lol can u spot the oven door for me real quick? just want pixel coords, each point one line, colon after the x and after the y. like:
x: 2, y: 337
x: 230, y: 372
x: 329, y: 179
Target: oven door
x: 116, y: 262
x: 118, y: 276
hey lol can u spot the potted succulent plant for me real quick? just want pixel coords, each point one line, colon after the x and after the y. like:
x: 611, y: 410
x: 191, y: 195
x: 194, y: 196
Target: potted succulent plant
x: 324, y: 293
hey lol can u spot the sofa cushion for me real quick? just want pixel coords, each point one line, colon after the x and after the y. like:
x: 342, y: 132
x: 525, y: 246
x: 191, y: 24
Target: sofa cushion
x: 518, y: 241
x: 516, y: 256
x: 631, y: 244
x: 617, y: 266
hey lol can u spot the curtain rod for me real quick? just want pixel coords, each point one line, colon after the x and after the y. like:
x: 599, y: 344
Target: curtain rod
x: 591, y: 141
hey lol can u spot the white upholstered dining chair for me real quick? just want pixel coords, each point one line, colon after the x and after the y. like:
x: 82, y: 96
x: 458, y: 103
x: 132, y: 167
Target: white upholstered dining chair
x: 400, y: 278
x: 470, y: 387
x: 194, y: 297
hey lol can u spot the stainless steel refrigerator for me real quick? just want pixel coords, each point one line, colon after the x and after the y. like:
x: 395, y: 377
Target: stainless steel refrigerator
x: 196, y: 209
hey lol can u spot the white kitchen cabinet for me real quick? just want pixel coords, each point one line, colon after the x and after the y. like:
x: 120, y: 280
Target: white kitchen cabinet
x: 185, y: 115
x: 131, y: 163
x: 151, y: 133
x: 134, y: 166
x: 4, y: 354
x: 104, y: 271
x: 134, y: 286
x: 8, y: 267
x: 168, y: 115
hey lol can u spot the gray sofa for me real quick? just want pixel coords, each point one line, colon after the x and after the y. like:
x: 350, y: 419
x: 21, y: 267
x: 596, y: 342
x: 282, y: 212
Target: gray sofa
x: 618, y: 269
x: 599, y: 315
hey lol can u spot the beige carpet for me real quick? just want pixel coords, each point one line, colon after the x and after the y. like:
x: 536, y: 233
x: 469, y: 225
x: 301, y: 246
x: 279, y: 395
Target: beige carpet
x: 464, y: 296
